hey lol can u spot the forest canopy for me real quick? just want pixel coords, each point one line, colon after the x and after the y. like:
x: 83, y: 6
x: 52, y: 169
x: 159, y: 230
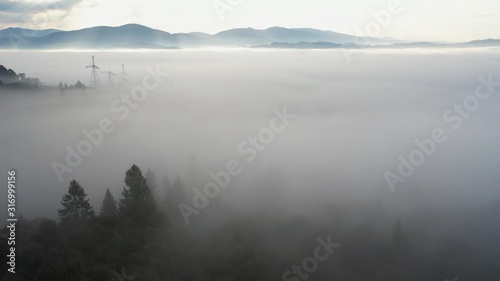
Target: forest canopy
x: 142, y: 236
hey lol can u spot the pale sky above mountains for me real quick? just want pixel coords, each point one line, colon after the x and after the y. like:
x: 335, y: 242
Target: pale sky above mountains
x: 444, y: 20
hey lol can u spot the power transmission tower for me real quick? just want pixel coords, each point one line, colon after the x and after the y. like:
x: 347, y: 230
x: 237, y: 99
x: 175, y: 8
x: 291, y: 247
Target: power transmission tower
x: 95, y: 81
x: 111, y: 82
x: 123, y: 74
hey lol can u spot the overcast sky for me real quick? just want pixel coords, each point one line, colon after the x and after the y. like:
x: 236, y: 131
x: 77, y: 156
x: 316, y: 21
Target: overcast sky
x: 443, y: 20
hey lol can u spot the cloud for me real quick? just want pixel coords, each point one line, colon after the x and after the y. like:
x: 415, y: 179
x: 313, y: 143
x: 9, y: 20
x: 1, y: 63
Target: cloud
x: 38, y: 14
x: 23, y: 7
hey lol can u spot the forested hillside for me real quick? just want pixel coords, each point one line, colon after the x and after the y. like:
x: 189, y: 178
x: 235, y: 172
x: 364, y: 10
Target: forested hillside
x: 142, y: 236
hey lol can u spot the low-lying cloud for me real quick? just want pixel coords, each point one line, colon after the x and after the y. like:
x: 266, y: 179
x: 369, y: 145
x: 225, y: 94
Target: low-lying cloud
x: 352, y: 122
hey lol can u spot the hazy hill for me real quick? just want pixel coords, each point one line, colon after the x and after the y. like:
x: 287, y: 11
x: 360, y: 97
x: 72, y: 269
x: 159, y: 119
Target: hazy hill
x: 482, y: 43
x: 14, y: 32
x: 8, y: 75
x: 471, y: 44
x: 9, y: 78
x: 102, y: 37
x: 252, y: 37
x: 134, y: 36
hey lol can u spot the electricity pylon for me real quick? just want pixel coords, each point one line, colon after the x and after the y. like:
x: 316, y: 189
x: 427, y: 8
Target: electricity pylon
x: 123, y: 74
x: 95, y: 81
x: 111, y: 82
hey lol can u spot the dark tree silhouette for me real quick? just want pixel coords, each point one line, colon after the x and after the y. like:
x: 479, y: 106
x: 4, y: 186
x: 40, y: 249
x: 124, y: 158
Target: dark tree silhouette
x: 108, y: 208
x: 152, y: 184
x: 79, y: 85
x: 76, y: 207
x: 137, y: 202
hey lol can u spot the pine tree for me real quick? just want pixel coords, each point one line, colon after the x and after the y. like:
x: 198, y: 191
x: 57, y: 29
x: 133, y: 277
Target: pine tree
x: 137, y: 202
x: 108, y: 208
x: 76, y: 207
x: 177, y: 193
x: 153, y: 186
x: 166, y: 189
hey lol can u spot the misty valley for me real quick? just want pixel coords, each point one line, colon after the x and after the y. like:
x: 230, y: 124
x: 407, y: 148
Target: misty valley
x: 251, y: 164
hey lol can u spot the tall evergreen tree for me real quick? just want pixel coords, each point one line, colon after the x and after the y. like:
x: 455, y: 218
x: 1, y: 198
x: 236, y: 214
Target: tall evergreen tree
x: 177, y: 193
x: 108, y: 208
x: 79, y: 85
x: 166, y: 187
x: 137, y: 202
x: 76, y: 207
x: 153, y: 186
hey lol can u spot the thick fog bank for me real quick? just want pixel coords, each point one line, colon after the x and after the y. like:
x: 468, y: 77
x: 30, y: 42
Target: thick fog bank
x: 352, y: 120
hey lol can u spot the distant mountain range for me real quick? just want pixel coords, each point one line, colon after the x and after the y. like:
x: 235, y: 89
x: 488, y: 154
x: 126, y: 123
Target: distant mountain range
x: 138, y: 36
x: 134, y: 36
x: 15, y: 32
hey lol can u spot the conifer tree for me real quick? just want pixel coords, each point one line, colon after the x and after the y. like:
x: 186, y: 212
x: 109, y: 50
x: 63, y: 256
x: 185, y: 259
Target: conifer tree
x: 76, y: 207
x: 108, y: 208
x: 166, y: 187
x: 153, y: 186
x: 137, y: 202
x: 177, y: 193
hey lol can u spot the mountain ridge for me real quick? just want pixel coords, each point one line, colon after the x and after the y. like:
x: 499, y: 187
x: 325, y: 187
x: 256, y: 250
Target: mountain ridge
x: 13, y: 32
x: 130, y: 34
x: 136, y: 36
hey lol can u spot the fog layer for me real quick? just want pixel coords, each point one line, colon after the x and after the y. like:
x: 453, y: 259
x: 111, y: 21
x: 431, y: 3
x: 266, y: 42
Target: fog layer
x: 353, y: 120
